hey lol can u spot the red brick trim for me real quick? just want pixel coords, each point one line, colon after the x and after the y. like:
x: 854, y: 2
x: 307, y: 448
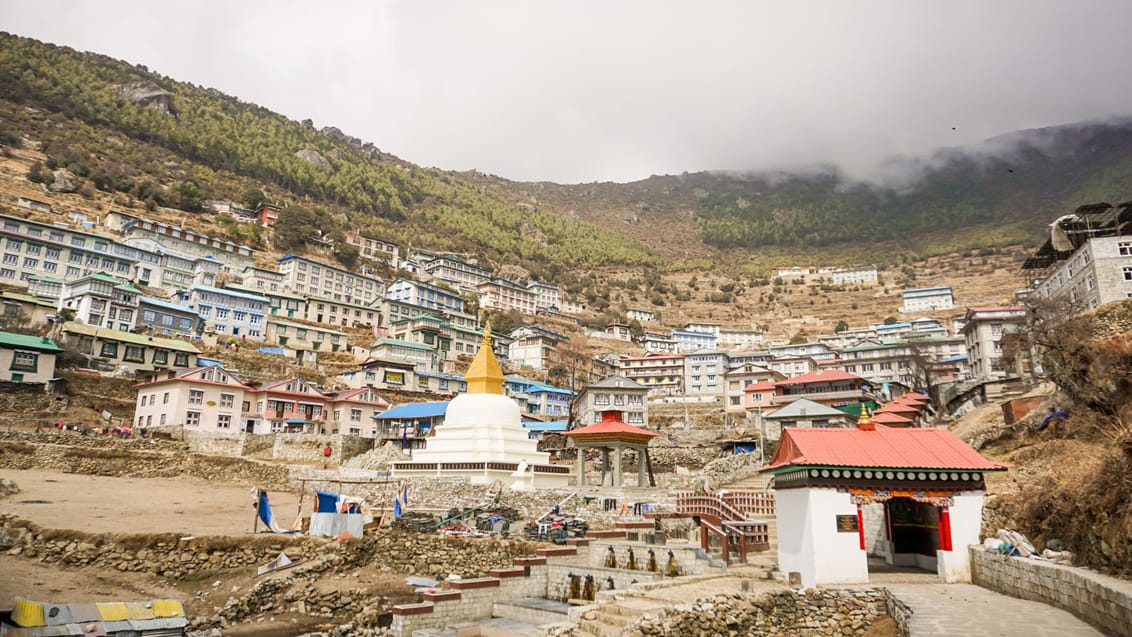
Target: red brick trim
x: 441, y: 596
x: 479, y: 582
x: 517, y: 571
x: 636, y: 525
x: 605, y: 534
x: 412, y: 609
x: 557, y: 551
x: 578, y: 541
x: 529, y: 561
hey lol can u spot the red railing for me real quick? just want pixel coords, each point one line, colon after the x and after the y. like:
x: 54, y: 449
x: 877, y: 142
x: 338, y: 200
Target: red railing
x: 727, y: 517
x: 751, y: 503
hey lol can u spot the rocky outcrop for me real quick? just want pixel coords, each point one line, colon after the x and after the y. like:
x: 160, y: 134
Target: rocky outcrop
x: 64, y: 181
x: 314, y: 157
x: 8, y: 487
x: 150, y: 95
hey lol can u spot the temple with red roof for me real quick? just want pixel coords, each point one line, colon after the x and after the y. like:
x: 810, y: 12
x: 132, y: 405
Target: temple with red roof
x: 612, y: 436
x: 907, y: 496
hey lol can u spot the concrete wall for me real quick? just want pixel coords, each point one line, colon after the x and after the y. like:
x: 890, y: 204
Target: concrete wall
x: 1103, y: 601
x: 966, y: 523
x: 817, y: 551
x: 875, y: 543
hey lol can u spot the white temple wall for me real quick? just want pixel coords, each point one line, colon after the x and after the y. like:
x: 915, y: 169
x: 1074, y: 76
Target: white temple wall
x: 809, y: 542
x: 875, y: 544
x: 966, y: 523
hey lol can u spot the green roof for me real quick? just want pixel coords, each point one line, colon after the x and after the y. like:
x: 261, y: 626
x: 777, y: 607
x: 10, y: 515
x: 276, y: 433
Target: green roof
x: 129, y: 337
x: 8, y: 340
x: 25, y: 298
x: 409, y: 344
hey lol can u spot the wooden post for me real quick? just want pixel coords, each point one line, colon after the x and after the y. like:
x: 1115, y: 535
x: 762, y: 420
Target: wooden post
x: 255, y: 506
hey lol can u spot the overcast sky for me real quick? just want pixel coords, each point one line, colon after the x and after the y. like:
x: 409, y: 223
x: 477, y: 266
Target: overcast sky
x: 575, y: 91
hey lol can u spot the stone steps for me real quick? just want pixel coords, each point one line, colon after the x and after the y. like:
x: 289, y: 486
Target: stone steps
x: 613, y: 618
x: 485, y: 628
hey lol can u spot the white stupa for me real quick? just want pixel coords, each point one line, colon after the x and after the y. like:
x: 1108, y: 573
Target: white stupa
x: 482, y: 437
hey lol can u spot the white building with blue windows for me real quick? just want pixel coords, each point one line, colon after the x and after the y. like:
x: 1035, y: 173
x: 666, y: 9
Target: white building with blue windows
x: 36, y: 249
x: 169, y: 319
x: 690, y: 341
x: 425, y: 295
x: 228, y: 312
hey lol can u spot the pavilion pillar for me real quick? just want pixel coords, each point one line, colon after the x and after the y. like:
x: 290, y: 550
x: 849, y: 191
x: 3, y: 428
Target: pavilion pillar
x: 617, y: 466
x: 642, y: 466
x: 604, y: 464
x: 580, y: 465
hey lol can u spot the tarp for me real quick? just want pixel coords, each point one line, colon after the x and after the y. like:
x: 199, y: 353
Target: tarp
x: 334, y: 524
x: 326, y: 502
x: 264, y: 510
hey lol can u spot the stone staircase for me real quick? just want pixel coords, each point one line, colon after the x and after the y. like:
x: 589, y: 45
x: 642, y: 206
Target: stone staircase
x: 613, y: 618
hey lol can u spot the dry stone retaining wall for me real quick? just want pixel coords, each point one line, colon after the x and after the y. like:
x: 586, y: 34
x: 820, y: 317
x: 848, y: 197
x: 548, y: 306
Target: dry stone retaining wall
x: 1103, y: 601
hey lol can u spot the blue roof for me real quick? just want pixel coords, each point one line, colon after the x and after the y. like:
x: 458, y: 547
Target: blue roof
x: 892, y: 326
x: 208, y: 362
x: 149, y: 300
x: 549, y: 389
x: 691, y: 333
x: 415, y: 410
x: 953, y: 359
x: 279, y: 351
x: 444, y: 376
x: 239, y: 295
x: 553, y: 425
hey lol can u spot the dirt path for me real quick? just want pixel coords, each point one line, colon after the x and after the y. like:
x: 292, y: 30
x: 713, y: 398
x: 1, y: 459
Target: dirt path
x: 98, y: 504
x: 47, y: 582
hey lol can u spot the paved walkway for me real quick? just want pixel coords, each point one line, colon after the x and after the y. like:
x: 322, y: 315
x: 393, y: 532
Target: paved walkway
x: 966, y: 610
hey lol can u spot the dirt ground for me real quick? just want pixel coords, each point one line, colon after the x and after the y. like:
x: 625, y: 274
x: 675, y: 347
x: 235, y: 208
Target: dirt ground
x: 100, y: 504
x: 48, y: 582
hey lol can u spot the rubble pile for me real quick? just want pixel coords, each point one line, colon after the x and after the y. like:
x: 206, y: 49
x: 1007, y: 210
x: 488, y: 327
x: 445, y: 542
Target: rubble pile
x: 556, y: 528
x: 415, y: 522
x: 376, y: 459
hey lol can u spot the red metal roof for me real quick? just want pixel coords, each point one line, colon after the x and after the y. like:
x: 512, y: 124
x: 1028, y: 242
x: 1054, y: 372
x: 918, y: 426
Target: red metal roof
x: 886, y: 447
x: 823, y: 376
x: 611, y: 424
x: 899, y: 408
x: 759, y: 386
x: 890, y: 418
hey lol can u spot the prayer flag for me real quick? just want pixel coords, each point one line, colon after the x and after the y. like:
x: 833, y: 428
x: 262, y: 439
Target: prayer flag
x: 396, y: 508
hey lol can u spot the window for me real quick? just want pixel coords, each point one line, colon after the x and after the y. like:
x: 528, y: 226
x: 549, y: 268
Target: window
x: 192, y: 418
x: 165, y: 399
x: 6, y: 273
x: 52, y: 253
x: 223, y: 421
x: 196, y: 396
x: 149, y: 316
x: 1127, y: 272
x: 160, y: 357
x: 162, y: 421
x: 14, y: 245
x: 167, y: 319
x: 72, y: 272
x: 11, y: 259
x: 50, y: 267
x: 25, y: 361
x: 109, y: 350
x: 1124, y: 248
x: 33, y: 249
x: 135, y: 354
x: 601, y: 399
x: 226, y: 400
x: 356, y: 415
x: 75, y: 257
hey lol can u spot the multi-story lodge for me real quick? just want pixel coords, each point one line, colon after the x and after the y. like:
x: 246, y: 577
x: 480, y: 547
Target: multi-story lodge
x: 615, y: 392
x: 334, y: 312
x: 927, y: 299
x: 168, y: 319
x: 703, y: 373
x: 101, y: 300
x: 314, y: 278
x: 983, y: 329
x: 424, y: 358
x: 375, y: 249
x: 546, y: 294
x: 830, y: 387
x: 281, y: 304
x: 304, y: 338
x: 500, y: 294
x: 739, y: 378
x: 662, y: 374
x: 393, y: 311
x: 262, y: 279
x: 1091, y: 263
x: 534, y: 347
x: 227, y: 312
x: 690, y: 341
x: 118, y: 350
x: 426, y: 295
x: 458, y: 273
x: 155, y: 236
x: 32, y: 248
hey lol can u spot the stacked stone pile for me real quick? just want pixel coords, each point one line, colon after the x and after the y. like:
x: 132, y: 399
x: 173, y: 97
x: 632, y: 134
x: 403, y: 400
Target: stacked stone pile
x: 376, y: 459
x: 123, y: 461
x: 8, y: 487
x: 812, y: 613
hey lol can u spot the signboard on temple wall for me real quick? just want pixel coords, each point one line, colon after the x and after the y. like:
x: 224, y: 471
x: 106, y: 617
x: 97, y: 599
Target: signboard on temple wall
x: 847, y: 524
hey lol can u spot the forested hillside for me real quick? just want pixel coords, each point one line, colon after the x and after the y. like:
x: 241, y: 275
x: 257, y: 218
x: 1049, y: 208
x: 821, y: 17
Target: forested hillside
x: 202, y: 144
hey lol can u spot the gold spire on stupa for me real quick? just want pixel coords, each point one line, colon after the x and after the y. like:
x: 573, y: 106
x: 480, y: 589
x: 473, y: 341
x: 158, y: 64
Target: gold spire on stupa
x: 484, y: 375
x: 865, y: 422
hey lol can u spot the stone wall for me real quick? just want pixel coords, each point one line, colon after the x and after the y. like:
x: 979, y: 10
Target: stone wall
x: 899, y: 612
x: 810, y: 613
x: 308, y: 447
x: 214, y: 444
x: 1103, y: 601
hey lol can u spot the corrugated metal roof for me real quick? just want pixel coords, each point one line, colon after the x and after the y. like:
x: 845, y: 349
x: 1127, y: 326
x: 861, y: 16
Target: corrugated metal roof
x: 885, y: 447
x: 415, y: 410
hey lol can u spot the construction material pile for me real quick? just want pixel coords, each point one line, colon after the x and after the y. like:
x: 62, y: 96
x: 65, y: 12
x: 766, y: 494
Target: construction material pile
x: 556, y: 528
x: 417, y: 522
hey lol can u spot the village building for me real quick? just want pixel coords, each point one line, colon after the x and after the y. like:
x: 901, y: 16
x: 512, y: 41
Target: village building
x: 537, y: 399
x: 662, y: 374
x: 33, y: 204
x: 426, y: 295
x: 391, y: 311
x: 861, y: 275
x: 32, y: 248
x: 503, y: 295
x: 615, y: 392
x: 354, y: 412
x: 440, y: 383
x: 738, y: 378
x: 733, y: 338
x: 261, y: 279
x: 658, y: 342
x: 983, y: 330
x: 27, y: 310
x: 703, y: 373
x: 690, y: 341
x: 292, y: 405
x: 205, y: 399
x: 546, y: 294
x: 268, y: 214
x: 909, y: 497
x: 155, y: 236
x: 306, y: 341
x: 281, y: 304
x: 457, y: 272
x: 1087, y: 260
x: 127, y: 351
x: 806, y: 414
x: 406, y: 426
x: 423, y: 357
x: 102, y: 300
x: 758, y: 401
x: 535, y: 347
x: 381, y: 374
x: 227, y: 312
x: 637, y: 314
x: 374, y: 249
x: 316, y: 279
x: 482, y: 437
x: 619, y: 331
x: 171, y: 272
x: 166, y: 318
x: 927, y: 299
x: 830, y: 387
x: 788, y: 366
x: 345, y: 313
x: 27, y: 359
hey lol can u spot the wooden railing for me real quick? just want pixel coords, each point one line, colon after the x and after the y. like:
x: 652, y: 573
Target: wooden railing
x: 751, y: 503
